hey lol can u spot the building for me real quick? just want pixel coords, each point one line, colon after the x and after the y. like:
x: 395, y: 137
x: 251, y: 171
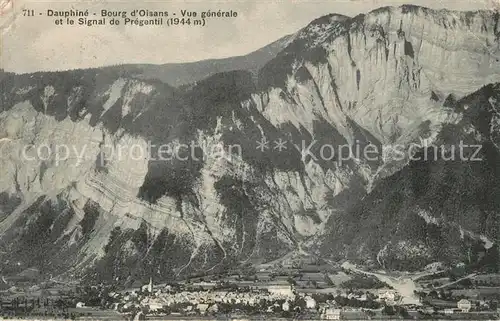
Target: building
x: 154, y: 306
x: 310, y: 302
x: 213, y: 309
x: 286, y: 306
x: 204, y: 285
x: 139, y: 316
x: 148, y: 287
x: 331, y: 314
x: 285, y: 290
x: 464, y: 305
x: 323, y: 306
x: 202, y: 308
x: 388, y: 296
x: 449, y: 311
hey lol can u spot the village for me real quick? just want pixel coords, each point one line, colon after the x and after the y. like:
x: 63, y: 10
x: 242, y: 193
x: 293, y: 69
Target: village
x: 281, y: 299
x: 315, y: 290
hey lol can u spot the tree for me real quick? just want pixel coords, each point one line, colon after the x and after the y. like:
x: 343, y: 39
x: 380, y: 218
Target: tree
x: 370, y: 313
x: 466, y: 283
x: 247, y: 269
x: 301, y: 303
x: 388, y: 310
x: 402, y: 312
x: 145, y: 309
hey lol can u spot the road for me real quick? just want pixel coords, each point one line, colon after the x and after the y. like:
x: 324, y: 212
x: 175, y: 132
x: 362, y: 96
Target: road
x: 456, y: 281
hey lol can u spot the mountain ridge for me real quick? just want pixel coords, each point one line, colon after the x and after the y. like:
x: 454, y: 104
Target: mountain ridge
x: 339, y: 82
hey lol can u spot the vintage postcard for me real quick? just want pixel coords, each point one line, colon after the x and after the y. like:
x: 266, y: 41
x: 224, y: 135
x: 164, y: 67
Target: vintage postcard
x: 250, y: 160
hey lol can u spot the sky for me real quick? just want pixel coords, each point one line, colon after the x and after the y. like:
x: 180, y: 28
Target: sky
x: 36, y: 43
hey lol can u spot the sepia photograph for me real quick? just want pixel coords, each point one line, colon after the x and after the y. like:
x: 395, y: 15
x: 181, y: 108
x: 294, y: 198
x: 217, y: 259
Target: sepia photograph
x: 250, y: 160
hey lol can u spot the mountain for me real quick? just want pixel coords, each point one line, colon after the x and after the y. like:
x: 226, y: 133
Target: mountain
x: 442, y: 206
x: 261, y: 166
x: 179, y: 74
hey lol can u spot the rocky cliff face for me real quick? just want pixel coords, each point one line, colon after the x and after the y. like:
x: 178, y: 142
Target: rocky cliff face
x: 442, y: 206
x: 390, y: 77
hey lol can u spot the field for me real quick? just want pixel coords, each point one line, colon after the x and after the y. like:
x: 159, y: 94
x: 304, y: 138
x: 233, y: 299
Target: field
x: 96, y: 314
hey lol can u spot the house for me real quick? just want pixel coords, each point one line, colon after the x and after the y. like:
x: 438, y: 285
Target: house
x: 449, y: 311
x: 286, y: 306
x: 363, y: 297
x: 331, y: 314
x: 388, y: 296
x: 213, y: 309
x: 202, y: 307
x: 139, y: 316
x: 323, y: 306
x: 310, y: 302
x: 155, y: 306
x: 464, y: 305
